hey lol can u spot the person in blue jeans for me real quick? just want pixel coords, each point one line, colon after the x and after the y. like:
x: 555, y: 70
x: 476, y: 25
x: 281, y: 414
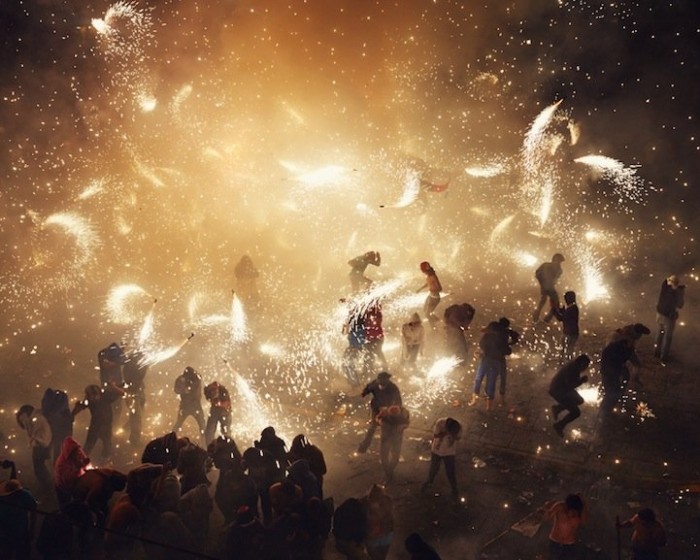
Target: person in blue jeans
x: 494, y: 348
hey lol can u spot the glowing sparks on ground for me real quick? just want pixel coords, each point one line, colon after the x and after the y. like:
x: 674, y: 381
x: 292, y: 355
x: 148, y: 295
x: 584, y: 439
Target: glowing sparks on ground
x: 490, y: 170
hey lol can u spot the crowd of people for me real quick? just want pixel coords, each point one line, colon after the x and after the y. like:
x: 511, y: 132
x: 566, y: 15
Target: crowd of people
x: 271, y: 497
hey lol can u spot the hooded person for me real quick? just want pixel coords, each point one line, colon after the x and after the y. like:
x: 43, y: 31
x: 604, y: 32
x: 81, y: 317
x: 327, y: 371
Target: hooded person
x: 547, y: 275
x: 300, y: 473
x: 96, y: 487
x: 275, y: 446
x: 69, y: 467
x: 302, y: 448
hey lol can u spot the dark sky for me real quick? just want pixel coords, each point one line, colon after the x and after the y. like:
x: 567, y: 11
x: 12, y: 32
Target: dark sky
x: 448, y: 82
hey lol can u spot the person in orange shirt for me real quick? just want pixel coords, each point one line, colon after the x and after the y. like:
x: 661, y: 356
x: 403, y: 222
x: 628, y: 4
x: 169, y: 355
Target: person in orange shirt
x: 566, y: 517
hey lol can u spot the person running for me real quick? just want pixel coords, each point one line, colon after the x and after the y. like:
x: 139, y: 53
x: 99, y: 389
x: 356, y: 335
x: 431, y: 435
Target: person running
x: 358, y: 265
x: 547, y: 275
x: 432, y: 283
x: 562, y: 389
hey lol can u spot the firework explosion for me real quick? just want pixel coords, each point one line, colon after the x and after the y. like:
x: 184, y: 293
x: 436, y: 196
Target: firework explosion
x: 181, y: 139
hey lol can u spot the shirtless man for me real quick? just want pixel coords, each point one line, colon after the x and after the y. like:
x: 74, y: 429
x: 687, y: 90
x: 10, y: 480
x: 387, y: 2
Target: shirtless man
x: 567, y: 517
x: 434, y: 288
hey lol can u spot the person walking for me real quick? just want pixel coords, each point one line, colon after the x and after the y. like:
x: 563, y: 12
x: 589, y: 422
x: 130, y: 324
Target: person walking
x: 443, y: 448
x: 671, y: 299
x: 432, y: 283
x: 547, y: 275
x: 385, y: 393
x: 562, y: 389
x: 566, y: 516
x: 393, y: 421
x: 568, y: 316
x: 189, y: 387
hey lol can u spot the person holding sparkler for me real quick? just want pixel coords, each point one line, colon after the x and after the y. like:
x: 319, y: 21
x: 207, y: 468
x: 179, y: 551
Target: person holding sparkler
x: 432, y: 282
x: 671, y: 299
x: 547, y: 275
x: 358, y: 265
x: 562, y: 389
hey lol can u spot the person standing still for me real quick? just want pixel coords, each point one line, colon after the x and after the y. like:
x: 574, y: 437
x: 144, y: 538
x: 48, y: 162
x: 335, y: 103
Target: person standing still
x: 671, y: 299
x: 432, y: 282
x: 443, y: 449
x: 566, y: 517
x: 547, y: 275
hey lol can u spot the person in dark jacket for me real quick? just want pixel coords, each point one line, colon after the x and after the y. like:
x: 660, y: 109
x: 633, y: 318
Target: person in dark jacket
x: 134, y: 371
x: 275, y: 446
x: 219, y: 412
x: 358, y: 265
x: 56, y: 409
x: 671, y: 299
x: 614, y: 372
x: 419, y: 549
x: 99, y: 401
x: 494, y: 348
x: 189, y: 387
x: 110, y: 361
x: 562, y: 389
x: 302, y: 448
x: 384, y: 394
x: 568, y: 315
x: 350, y: 529
x: 547, y: 275
x: 510, y: 337
x: 457, y: 319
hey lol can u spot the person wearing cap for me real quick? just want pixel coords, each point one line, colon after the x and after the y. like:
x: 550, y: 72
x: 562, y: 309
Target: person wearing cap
x: 358, y: 265
x: 189, y: 386
x: 17, y: 519
x: 547, y: 275
x: 432, y: 282
x: 671, y: 299
x: 384, y: 393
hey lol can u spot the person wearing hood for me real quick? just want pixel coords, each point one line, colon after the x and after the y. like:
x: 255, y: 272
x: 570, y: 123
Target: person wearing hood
x: 458, y: 317
x: 300, y: 473
x: 412, y: 339
x: 39, y: 432
x: 69, y: 467
x: 275, y: 446
x: 302, y: 448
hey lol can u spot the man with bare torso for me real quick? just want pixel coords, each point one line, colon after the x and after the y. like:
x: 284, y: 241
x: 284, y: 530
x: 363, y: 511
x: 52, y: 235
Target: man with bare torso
x: 566, y: 517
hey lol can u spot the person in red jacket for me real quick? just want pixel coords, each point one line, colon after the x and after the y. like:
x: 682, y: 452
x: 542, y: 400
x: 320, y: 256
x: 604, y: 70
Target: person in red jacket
x: 220, y: 411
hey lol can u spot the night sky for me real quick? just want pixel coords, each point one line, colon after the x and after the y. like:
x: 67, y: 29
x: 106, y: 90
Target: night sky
x: 175, y: 136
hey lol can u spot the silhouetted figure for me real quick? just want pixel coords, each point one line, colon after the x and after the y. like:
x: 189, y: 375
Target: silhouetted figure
x: 568, y: 315
x: 189, y: 387
x: 384, y: 394
x: 671, y: 299
x: 358, y: 265
x: 547, y: 275
x: 562, y: 389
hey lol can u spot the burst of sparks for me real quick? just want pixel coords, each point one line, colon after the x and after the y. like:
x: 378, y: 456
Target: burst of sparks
x: 626, y: 183
x: 239, y: 321
x: 117, y: 302
x: 81, y: 230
